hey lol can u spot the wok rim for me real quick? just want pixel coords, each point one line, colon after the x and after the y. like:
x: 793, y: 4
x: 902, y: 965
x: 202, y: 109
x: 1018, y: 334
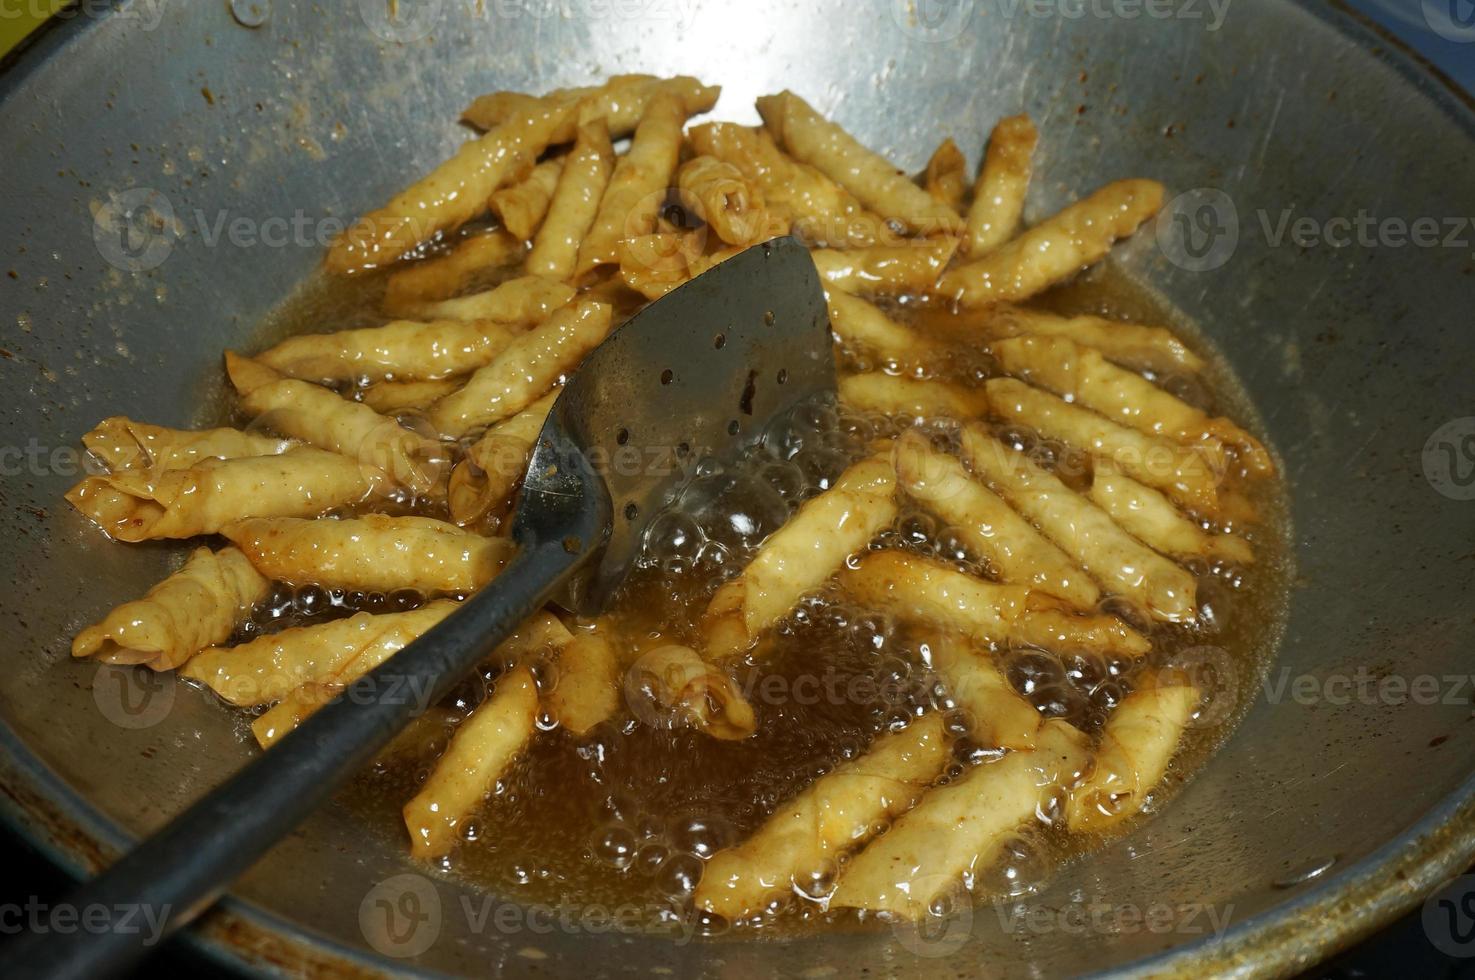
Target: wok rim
x: 1349, y: 905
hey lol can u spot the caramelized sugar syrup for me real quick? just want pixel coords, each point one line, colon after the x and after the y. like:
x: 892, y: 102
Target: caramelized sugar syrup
x: 625, y: 816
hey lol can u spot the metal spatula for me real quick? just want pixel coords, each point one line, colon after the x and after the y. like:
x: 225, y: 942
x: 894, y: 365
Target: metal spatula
x: 711, y: 363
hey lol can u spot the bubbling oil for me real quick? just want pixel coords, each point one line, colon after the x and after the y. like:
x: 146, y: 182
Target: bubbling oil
x: 626, y: 815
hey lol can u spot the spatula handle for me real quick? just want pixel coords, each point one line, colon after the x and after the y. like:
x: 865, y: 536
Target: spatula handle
x: 179, y: 871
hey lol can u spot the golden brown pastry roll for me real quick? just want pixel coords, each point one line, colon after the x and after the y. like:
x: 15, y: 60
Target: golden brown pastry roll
x: 636, y: 190
x: 483, y: 483
x: 620, y: 103
x: 396, y: 397
x: 961, y: 828
x: 929, y: 591
x: 526, y: 370
x: 1117, y: 561
x: 522, y: 206
x: 481, y: 750
x: 1056, y: 248
x: 800, y: 556
x: 997, y: 715
x: 1190, y: 475
x: 452, y: 194
x: 813, y: 139
x: 469, y: 260
x: 675, y: 682
x: 1003, y: 180
x: 724, y: 199
x: 571, y: 212
x: 197, y: 607
x: 139, y: 505
x: 885, y: 270
x: 1133, y: 345
x: 373, y: 553
x: 802, y: 843
x: 988, y: 526
x: 946, y: 175
x: 322, y: 417
x: 1087, y: 378
x: 866, y: 330
x: 521, y: 302
x: 268, y: 668
x: 404, y: 350
x: 889, y: 394
x: 587, y: 691
x: 1137, y: 745
x: 798, y: 197
x: 1152, y: 519
x: 123, y: 444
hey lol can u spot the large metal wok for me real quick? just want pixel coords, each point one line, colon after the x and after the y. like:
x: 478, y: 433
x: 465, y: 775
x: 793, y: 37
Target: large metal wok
x: 243, y: 126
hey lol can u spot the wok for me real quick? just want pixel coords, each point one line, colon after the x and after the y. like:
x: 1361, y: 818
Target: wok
x: 249, y: 129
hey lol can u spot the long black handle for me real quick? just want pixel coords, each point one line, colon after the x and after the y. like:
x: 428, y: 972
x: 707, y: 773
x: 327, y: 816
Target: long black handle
x: 180, y: 871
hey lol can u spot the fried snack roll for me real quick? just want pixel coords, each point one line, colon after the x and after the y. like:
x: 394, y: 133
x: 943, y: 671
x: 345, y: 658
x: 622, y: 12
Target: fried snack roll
x: 447, y: 275
x: 1086, y: 378
x: 198, y: 606
x: 322, y: 417
x: 1055, y: 249
x: 270, y: 667
x: 403, y: 350
x: 1152, y: 519
x: 620, y: 103
x: 998, y: 716
x: 678, y: 682
x: 653, y: 265
x: 946, y: 175
x: 484, y: 745
x: 523, y: 302
x: 1130, y: 344
x: 525, y: 371
x: 637, y: 184
x: 522, y: 206
x: 452, y: 194
x: 394, y: 397
x: 991, y: 528
x: 123, y: 444
x: 813, y: 139
x: 1190, y: 475
x: 144, y: 505
x: 587, y: 692
x: 1136, y: 747
x: 800, y: 556
x: 483, y: 482
x: 864, y: 328
x: 539, y: 632
x: 724, y: 199
x: 373, y: 553
x: 575, y: 203
x: 814, y: 207
x: 1003, y: 181
x: 959, y: 829
x: 804, y: 838
x: 1082, y: 530
x: 926, y: 590
x: 885, y: 270
x: 892, y: 395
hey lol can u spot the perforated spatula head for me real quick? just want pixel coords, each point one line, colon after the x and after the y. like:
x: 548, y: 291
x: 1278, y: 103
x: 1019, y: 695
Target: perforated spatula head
x: 700, y: 371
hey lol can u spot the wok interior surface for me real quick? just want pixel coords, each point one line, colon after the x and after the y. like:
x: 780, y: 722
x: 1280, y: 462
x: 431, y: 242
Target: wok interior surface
x: 1355, y: 357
